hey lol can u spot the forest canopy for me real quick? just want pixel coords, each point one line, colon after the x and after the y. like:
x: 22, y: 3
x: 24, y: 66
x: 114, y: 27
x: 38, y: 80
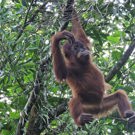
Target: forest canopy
x: 31, y: 101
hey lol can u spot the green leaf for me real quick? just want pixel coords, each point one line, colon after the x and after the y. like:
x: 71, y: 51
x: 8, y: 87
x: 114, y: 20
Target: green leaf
x: 5, y: 132
x: 14, y: 115
x: 116, y: 55
x: 113, y: 40
x: 2, y: 105
x: 115, y: 37
x: 30, y: 27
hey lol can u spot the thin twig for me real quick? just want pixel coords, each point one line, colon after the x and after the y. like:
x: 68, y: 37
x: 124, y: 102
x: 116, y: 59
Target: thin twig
x: 26, y: 17
x: 26, y: 23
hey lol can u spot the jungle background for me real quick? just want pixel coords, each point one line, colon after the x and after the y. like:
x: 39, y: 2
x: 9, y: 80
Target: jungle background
x: 31, y: 101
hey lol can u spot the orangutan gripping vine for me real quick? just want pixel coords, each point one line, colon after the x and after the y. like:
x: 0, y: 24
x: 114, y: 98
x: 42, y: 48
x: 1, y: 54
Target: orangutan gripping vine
x: 73, y: 63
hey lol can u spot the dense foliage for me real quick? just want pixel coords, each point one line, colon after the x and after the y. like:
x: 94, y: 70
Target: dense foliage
x: 25, y: 33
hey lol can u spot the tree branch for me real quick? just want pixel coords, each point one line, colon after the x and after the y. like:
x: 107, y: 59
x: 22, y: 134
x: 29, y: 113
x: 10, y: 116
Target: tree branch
x: 67, y: 15
x: 121, y: 62
x: 33, y: 96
